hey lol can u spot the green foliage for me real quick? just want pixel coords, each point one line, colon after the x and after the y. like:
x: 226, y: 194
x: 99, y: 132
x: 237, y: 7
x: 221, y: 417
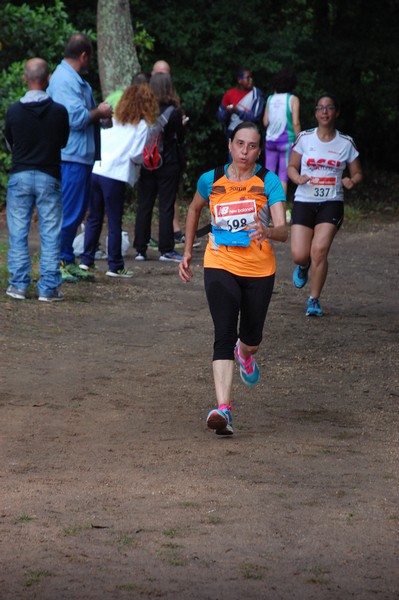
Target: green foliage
x: 354, y: 53
x: 205, y: 43
x: 331, y: 45
x: 26, y: 32
x: 144, y: 43
x: 11, y: 88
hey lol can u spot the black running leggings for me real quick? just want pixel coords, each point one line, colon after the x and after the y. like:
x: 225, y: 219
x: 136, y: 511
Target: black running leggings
x: 231, y: 297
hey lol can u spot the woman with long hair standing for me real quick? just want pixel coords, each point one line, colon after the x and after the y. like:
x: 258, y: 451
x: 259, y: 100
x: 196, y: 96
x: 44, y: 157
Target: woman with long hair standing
x: 164, y: 181
x: 135, y: 111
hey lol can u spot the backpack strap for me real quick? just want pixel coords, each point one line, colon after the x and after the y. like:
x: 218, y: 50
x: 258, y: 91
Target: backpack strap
x: 218, y: 173
x: 262, y: 173
x: 165, y: 115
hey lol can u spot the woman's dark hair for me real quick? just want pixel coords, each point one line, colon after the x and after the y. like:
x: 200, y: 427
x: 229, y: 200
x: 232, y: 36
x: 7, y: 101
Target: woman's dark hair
x: 247, y: 125
x: 139, y: 78
x: 163, y: 88
x: 284, y: 81
x: 333, y: 97
x: 76, y: 45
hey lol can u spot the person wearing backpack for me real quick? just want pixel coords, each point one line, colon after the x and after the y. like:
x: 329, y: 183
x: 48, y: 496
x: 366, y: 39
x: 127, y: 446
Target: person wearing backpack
x: 135, y: 112
x: 163, y: 181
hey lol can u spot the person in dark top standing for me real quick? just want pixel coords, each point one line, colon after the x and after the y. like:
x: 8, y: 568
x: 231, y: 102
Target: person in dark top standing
x: 36, y: 128
x: 162, y: 182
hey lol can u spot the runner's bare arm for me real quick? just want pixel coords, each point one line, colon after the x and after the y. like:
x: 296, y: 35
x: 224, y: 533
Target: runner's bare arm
x: 194, y: 212
x: 293, y: 169
x: 356, y: 175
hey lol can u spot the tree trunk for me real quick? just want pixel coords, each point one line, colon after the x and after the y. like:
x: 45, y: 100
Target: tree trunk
x: 117, y: 57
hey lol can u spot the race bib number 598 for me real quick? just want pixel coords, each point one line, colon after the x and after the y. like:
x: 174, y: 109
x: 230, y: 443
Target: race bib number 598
x: 234, y: 216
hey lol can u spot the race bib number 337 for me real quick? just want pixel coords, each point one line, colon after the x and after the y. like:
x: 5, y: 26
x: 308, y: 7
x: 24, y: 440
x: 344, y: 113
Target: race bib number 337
x: 321, y: 187
x: 235, y: 216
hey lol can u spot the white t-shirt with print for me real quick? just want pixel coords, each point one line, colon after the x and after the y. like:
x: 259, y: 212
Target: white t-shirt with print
x: 325, y: 163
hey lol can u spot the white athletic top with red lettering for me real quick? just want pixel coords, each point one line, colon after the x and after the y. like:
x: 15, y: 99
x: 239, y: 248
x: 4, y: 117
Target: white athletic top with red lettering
x: 325, y: 163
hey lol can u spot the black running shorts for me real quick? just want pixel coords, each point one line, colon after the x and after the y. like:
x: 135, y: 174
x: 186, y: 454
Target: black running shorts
x: 311, y: 214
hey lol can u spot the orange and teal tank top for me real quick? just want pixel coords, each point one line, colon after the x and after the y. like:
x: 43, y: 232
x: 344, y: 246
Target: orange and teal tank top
x: 232, y: 205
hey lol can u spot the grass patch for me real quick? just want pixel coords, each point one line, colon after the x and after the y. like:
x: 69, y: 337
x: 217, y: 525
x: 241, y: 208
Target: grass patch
x: 242, y: 426
x: 189, y: 504
x: 176, y: 561
x: 3, y: 264
x: 318, y: 576
x: 172, y: 553
x: 23, y: 519
x: 35, y: 577
x: 130, y: 587
x: 173, y: 557
x: 214, y: 520
x: 353, y: 213
x: 350, y: 517
x: 326, y: 451
x: 170, y: 533
x: 252, y: 571
x: 280, y: 494
x: 70, y: 531
x: 4, y: 274
x: 345, y: 435
x: 127, y: 540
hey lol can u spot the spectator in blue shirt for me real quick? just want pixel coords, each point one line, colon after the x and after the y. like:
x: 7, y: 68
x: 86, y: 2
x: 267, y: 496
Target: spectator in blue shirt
x: 68, y: 87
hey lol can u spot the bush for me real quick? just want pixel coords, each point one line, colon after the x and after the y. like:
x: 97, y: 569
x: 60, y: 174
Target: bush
x: 26, y: 32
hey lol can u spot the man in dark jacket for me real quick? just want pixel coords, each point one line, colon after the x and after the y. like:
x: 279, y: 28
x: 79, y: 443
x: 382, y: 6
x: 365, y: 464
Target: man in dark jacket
x: 36, y: 128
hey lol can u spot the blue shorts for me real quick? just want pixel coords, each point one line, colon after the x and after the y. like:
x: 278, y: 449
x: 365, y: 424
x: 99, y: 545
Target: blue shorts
x: 311, y: 214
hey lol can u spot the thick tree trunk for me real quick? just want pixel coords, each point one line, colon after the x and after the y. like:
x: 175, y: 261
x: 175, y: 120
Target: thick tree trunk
x: 117, y: 57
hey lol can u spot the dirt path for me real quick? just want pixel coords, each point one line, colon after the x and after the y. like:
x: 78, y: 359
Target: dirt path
x: 113, y: 488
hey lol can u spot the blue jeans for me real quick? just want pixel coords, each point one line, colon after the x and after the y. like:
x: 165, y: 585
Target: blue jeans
x: 25, y: 189
x: 75, y: 200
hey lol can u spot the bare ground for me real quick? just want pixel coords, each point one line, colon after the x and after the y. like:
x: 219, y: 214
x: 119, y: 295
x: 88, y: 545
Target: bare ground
x: 111, y: 485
